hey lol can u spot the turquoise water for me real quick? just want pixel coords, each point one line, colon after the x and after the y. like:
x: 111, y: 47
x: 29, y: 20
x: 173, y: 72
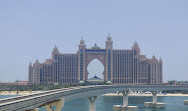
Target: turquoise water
x: 7, y: 96
x: 105, y: 103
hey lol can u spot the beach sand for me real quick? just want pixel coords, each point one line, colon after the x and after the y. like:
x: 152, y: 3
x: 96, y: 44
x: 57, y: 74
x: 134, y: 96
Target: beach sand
x: 168, y: 94
x: 19, y: 92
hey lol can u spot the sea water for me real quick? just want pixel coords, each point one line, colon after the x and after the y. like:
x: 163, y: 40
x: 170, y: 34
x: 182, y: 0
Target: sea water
x: 105, y: 103
x: 7, y: 96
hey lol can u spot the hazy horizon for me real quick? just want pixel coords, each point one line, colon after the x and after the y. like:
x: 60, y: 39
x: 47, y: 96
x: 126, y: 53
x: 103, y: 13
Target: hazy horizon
x: 30, y: 30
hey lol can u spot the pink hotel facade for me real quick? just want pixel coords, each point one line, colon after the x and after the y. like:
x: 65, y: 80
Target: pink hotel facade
x: 120, y: 66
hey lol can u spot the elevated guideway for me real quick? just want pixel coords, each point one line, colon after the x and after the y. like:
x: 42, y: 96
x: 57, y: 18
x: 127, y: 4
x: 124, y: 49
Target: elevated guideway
x: 59, y: 96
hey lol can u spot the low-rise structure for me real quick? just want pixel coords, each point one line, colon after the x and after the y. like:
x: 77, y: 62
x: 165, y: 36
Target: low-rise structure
x: 14, y: 83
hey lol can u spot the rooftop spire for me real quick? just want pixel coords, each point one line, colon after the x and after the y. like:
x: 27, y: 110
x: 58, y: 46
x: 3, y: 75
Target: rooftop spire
x: 153, y: 57
x: 95, y: 47
x: 37, y: 61
x: 135, y: 44
x: 95, y: 76
x: 82, y: 40
x: 160, y: 59
x: 56, y: 49
x: 30, y: 63
x: 109, y: 35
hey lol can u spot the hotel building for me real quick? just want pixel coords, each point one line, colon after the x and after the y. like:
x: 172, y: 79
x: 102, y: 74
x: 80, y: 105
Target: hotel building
x: 120, y: 66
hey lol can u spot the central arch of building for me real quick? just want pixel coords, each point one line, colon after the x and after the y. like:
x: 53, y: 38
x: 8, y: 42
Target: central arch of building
x: 90, y: 57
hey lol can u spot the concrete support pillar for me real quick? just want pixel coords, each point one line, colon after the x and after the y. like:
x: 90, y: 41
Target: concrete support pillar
x: 154, y: 104
x: 185, y: 102
x: 92, y: 103
x: 117, y: 108
x: 59, y: 105
x: 48, y: 108
x: 125, y: 98
x: 154, y: 97
x: 125, y: 106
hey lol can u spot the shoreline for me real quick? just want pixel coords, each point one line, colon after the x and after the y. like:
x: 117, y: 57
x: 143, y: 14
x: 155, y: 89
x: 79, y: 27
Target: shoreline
x: 20, y: 93
x: 168, y: 94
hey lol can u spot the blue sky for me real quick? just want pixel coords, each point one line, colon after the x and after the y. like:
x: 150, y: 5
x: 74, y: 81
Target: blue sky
x: 30, y: 29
